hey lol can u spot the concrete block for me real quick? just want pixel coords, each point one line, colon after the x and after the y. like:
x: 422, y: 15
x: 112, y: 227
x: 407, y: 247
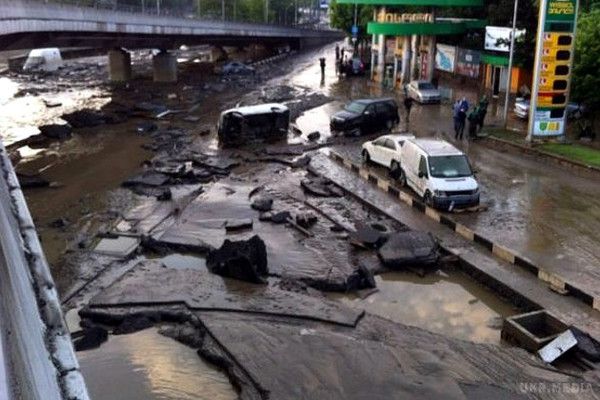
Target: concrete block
x: 532, y: 330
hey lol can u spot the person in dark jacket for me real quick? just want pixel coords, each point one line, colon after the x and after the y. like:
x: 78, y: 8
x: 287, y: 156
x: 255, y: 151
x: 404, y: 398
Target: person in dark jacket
x: 322, y: 63
x: 483, y: 105
x: 408, y: 103
x: 474, y: 120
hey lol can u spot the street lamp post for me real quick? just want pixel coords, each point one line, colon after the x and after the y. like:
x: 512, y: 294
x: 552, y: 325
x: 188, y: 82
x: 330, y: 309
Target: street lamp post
x: 266, y: 11
x: 510, y: 65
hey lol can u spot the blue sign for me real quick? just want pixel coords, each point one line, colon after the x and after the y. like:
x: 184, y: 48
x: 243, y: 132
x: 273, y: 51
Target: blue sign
x: 354, y: 30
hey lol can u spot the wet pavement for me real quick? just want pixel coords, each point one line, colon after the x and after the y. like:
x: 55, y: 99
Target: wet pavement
x: 282, y: 338
x: 149, y: 366
x: 448, y: 303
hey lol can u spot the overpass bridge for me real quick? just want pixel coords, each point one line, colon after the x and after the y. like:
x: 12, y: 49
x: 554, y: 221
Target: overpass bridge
x: 33, y: 24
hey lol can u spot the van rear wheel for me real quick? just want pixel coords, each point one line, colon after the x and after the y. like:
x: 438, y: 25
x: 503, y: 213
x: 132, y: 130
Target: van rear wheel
x: 402, y: 178
x: 366, y: 158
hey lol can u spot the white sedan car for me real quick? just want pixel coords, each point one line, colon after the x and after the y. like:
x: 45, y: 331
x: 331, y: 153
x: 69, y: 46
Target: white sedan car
x: 423, y: 92
x: 385, y: 150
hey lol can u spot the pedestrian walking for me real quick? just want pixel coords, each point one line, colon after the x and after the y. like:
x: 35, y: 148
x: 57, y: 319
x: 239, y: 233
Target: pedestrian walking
x: 322, y: 63
x: 408, y: 103
x: 337, y: 52
x: 462, y: 118
x: 342, y: 53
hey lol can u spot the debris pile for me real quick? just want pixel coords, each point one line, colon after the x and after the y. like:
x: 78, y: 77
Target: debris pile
x: 245, y: 260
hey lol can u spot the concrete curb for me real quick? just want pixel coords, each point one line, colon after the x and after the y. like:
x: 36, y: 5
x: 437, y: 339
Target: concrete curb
x: 556, y: 159
x: 496, y: 249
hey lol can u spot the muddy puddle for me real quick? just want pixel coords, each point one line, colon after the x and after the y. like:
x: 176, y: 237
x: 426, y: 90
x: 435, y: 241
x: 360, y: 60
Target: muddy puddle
x: 444, y: 302
x: 149, y: 366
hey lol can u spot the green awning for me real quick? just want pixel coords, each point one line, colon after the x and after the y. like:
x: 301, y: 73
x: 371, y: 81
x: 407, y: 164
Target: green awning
x: 424, y: 28
x: 493, y: 59
x: 441, y: 3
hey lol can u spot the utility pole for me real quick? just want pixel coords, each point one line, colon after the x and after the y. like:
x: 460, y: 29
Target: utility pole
x: 157, y: 7
x: 234, y: 10
x: 199, y: 9
x: 223, y: 10
x: 510, y: 65
x: 295, y: 12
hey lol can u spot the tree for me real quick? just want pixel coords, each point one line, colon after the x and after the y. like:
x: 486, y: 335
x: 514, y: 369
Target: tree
x: 342, y: 17
x: 585, y: 79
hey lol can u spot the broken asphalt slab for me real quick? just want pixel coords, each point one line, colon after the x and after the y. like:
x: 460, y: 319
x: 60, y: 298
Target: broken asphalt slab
x: 149, y: 283
x: 378, y: 360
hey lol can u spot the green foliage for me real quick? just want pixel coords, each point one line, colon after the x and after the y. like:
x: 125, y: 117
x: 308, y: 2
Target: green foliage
x: 586, y: 69
x: 342, y: 17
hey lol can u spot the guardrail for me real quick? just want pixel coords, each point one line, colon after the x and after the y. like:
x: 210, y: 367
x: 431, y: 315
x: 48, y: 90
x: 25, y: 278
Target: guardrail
x: 37, y: 360
x: 155, y: 8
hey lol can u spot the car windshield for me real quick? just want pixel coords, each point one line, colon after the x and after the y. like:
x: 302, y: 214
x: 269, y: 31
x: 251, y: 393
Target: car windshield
x: 449, y: 166
x: 426, y: 86
x: 355, y: 107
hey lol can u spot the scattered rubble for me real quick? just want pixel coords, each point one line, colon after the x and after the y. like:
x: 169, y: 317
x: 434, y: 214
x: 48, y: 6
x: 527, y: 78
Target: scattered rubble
x: 90, y: 338
x: 245, y: 260
x: 56, y: 131
x: 32, y: 181
x: 367, y: 237
x: 262, y: 203
x: 409, y: 248
x: 85, y: 118
x: 306, y: 220
x: 321, y: 187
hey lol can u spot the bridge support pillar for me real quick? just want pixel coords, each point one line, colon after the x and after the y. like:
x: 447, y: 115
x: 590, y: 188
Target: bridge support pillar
x: 119, y: 65
x: 164, y: 67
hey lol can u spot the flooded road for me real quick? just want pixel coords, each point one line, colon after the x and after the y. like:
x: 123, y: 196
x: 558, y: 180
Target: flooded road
x: 546, y: 213
x: 149, y: 366
x: 448, y: 303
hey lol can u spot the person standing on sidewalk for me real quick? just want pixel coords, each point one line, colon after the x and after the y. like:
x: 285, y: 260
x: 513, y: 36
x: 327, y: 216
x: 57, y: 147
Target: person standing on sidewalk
x: 322, y: 63
x: 337, y: 52
x: 455, y: 112
x: 474, y: 120
x: 483, y: 105
x: 408, y: 103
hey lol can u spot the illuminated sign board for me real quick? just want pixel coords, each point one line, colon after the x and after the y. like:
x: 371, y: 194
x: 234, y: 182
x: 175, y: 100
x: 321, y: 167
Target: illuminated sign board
x: 552, y: 70
x: 404, y: 18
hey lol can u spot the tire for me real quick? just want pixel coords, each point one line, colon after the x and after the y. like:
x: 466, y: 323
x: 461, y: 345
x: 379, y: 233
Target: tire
x: 395, y: 169
x: 366, y: 158
x: 402, y: 178
x: 428, y: 199
x: 389, y: 124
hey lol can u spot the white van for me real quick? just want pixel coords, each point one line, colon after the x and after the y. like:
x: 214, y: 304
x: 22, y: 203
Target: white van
x: 44, y: 59
x: 438, y: 172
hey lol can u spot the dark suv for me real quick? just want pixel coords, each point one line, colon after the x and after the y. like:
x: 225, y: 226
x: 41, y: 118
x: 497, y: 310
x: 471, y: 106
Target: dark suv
x: 366, y: 115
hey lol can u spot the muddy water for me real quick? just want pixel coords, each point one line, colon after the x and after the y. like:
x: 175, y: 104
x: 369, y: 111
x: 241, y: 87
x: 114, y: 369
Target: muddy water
x: 148, y: 366
x: 85, y: 169
x: 446, y: 303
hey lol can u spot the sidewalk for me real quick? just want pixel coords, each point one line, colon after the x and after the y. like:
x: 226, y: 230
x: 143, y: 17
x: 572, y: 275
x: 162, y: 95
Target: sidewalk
x: 578, y: 154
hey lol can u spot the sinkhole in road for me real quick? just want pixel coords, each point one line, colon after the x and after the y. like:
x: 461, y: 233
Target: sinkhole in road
x: 449, y: 303
x: 147, y: 365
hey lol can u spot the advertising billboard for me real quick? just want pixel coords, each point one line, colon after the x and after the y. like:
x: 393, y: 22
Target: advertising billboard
x: 445, y: 57
x: 467, y: 63
x: 497, y: 38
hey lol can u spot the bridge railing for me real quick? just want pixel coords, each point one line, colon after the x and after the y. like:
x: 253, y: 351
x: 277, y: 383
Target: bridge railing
x: 303, y: 18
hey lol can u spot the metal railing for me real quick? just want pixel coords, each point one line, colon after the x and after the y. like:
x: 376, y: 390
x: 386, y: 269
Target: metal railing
x: 302, y: 18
